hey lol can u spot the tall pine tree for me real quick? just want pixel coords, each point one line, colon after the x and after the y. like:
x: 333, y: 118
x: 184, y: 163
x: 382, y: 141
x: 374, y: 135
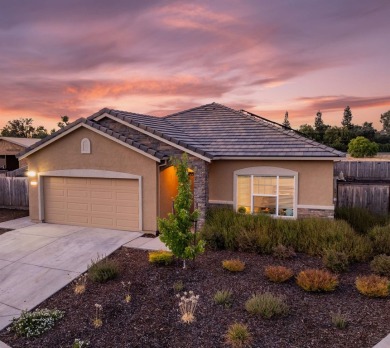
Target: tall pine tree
x: 286, y: 122
x: 347, y: 118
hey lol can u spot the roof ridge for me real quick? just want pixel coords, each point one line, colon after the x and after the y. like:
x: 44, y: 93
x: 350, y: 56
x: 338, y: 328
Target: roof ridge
x: 184, y: 111
x: 287, y: 131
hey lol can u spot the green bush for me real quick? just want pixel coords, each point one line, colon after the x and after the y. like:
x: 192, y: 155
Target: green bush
x: 336, y: 261
x: 267, y: 305
x: 380, y: 237
x: 361, y: 220
x: 161, y: 257
x: 102, y: 270
x: 225, y: 229
x: 31, y: 324
x: 381, y: 265
x: 362, y: 147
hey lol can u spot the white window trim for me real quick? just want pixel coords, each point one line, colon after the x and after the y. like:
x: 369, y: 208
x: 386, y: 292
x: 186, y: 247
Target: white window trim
x: 266, y: 171
x: 87, y: 173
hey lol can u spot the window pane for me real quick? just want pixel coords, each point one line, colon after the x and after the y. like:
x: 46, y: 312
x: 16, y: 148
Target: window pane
x: 264, y: 185
x: 265, y: 205
x: 286, y: 196
x: 244, y: 192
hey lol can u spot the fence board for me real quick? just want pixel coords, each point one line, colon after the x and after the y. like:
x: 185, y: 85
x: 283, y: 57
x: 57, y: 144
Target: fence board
x: 375, y: 170
x: 374, y: 197
x: 14, y: 193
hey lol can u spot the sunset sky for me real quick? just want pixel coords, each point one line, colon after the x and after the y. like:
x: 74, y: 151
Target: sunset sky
x: 157, y: 57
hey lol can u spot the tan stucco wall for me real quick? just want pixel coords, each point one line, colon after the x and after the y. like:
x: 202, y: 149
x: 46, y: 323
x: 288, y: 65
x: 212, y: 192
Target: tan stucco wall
x: 315, y: 179
x: 168, y: 190
x: 105, y: 155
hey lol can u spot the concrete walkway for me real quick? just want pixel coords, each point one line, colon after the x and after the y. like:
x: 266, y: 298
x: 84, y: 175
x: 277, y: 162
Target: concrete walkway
x: 38, y: 260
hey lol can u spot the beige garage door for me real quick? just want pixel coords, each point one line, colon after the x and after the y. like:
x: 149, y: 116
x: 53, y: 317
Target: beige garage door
x: 106, y: 203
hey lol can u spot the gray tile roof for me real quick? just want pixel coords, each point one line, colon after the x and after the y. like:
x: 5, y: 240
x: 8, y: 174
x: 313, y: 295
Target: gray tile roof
x: 105, y: 130
x: 214, y: 131
x: 218, y: 131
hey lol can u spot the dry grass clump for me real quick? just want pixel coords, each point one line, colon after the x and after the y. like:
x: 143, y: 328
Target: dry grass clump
x: 102, y: 270
x: 234, y: 265
x: 161, y: 257
x: 238, y: 336
x: 373, y: 286
x: 339, y: 320
x: 266, y: 305
x: 317, y: 280
x: 278, y: 274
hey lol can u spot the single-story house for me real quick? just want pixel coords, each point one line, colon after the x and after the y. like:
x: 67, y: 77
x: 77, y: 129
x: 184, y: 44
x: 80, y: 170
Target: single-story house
x: 9, y: 148
x: 112, y: 169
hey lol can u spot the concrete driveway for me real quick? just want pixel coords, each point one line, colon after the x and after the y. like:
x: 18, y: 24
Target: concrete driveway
x: 37, y: 260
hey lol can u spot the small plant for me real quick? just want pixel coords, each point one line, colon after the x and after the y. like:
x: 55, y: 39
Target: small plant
x: 233, y: 265
x: 380, y: 237
x: 267, y: 305
x: 238, y: 336
x: 80, y: 284
x: 223, y: 297
x: 97, y: 321
x: 241, y: 210
x: 335, y: 261
x: 283, y: 252
x: 126, y: 287
x: 373, y: 286
x: 187, y: 306
x: 178, y: 286
x: 381, y: 265
x: 317, y: 280
x: 31, y: 324
x: 102, y: 270
x: 278, y: 274
x: 161, y: 257
x: 80, y: 343
x: 339, y: 320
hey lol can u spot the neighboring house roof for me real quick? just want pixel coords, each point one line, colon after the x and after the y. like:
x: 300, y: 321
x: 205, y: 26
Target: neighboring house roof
x: 25, y: 142
x: 215, y: 132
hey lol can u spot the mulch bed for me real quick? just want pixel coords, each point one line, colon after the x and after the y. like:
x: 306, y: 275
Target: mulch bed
x: 11, y: 214
x: 151, y: 319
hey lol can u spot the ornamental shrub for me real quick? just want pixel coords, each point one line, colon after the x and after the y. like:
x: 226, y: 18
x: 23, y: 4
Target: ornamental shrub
x: 381, y: 265
x: 380, y: 237
x: 102, y: 270
x: 278, y: 274
x: 266, y: 305
x: 336, y: 261
x: 31, y: 324
x: 373, y: 286
x: 175, y: 231
x: 317, y: 280
x: 234, y: 265
x: 238, y: 336
x: 283, y: 252
x: 223, y: 297
x: 161, y: 257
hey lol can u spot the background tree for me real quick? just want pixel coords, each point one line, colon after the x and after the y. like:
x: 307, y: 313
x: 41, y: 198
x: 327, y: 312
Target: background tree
x: 320, y: 127
x: 175, y: 231
x: 286, y: 122
x: 23, y: 128
x: 385, y: 120
x: 362, y: 147
x: 308, y: 131
x: 347, y: 118
x: 64, y: 122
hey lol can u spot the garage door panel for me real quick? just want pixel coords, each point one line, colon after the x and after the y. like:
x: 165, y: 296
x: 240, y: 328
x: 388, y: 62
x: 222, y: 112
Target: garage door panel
x: 107, y: 203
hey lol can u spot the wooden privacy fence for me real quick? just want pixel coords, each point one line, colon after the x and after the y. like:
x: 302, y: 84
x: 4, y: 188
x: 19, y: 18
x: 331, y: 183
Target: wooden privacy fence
x: 14, y: 193
x: 371, y: 196
x: 366, y: 185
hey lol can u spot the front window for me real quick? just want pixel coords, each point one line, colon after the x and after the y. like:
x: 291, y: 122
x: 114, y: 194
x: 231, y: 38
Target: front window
x: 267, y: 194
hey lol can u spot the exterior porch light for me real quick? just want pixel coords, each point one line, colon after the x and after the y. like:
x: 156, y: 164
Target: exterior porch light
x: 34, y: 183
x: 31, y: 174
